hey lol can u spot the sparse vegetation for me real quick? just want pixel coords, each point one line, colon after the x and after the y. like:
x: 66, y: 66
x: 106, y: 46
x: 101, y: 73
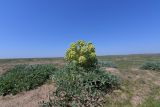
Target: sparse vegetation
x: 138, y: 88
x: 151, y: 102
x: 151, y: 66
x: 107, y: 64
x: 24, y: 77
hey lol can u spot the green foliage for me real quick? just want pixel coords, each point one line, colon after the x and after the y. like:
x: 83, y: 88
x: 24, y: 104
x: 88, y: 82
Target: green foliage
x: 82, y: 54
x: 107, y: 64
x: 77, y: 87
x: 151, y: 102
x: 24, y: 77
x: 151, y: 66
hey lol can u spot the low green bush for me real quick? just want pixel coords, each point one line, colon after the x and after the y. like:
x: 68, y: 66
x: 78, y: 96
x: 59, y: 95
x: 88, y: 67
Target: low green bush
x: 24, y: 77
x: 77, y: 87
x: 151, y: 66
x: 107, y: 64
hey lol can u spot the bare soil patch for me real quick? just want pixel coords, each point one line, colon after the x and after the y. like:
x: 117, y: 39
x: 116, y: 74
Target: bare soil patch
x: 5, y: 67
x: 113, y: 71
x: 29, y: 98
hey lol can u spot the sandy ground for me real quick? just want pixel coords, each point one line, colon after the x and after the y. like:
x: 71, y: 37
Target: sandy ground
x: 4, y: 68
x: 29, y: 98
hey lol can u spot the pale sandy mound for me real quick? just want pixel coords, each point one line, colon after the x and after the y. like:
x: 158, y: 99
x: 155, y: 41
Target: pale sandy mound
x: 27, y: 99
x: 4, y: 68
x: 113, y: 71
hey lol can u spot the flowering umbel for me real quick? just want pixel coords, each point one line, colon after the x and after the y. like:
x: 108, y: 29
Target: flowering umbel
x: 81, y: 53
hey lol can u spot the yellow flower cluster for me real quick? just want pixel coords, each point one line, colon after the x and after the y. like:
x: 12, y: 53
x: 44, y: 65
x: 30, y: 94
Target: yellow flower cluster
x: 81, y: 52
x: 82, y: 59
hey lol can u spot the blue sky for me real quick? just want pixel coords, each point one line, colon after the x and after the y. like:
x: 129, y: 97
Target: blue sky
x: 45, y: 28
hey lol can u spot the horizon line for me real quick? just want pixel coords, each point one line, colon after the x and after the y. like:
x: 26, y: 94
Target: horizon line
x: 97, y: 56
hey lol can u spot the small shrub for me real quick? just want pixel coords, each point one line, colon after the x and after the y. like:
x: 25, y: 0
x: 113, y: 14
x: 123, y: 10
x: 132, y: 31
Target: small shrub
x: 82, y: 54
x: 81, y: 83
x: 78, y: 88
x: 24, y: 77
x: 107, y: 64
x: 151, y: 66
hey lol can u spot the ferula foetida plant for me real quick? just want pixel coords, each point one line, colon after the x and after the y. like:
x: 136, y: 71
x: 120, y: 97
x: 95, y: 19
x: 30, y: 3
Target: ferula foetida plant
x: 81, y: 53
